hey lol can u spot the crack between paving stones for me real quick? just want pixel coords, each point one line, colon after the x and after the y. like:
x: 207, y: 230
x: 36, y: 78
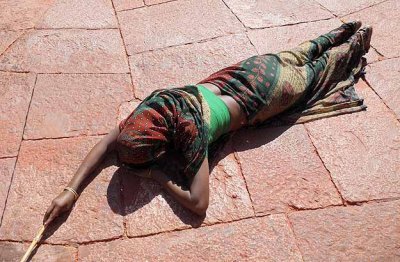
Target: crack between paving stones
x: 75, y: 28
x: 376, y: 50
x: 62, y: 73
x: 254, y: 47
x: 349, y: 205
x: 247, y: 36
x: 353, y: 12
x: 325, y: 8
x: 169, y: 1
x: 205, y: 40
x: 362, y: 9
x: 126, y: 51
x: 16, y: 30
x: 295, y: 209
x: 72, y: 245
x: 145, y: 6
x: 58, y: 73
x: 67, y: 244
x: 220, y: 222
x: 385, y: 58
x: 233, y: 13
x: 290, y: 24
x: 235, y: 155
x: 372, y: 201
x: 88, y: 242
x: 291, y: 228
x: 64, y: 137
x: 7, y: 157
x: 19, y: 37
x: 380, y: 98
x: 19, y: 149
x: 323, y: 163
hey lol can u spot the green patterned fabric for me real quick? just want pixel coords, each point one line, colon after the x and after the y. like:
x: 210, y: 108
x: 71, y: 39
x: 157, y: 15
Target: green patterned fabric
x: 312, y: 80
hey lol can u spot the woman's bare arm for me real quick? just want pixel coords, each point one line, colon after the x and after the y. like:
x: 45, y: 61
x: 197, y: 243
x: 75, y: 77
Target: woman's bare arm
x: 94, y: 158
x: 197, y: 198
x: 65, y: 199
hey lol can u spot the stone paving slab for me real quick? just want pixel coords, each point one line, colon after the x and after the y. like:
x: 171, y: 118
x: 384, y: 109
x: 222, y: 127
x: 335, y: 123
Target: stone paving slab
x: 7, y: 38
x: 88, y: 106
x: 366, y: 233
x: 146, y: 201
x: 79, y: 14
x: 67, y: 51
x: 44, y: 168
x: 127, y: 4
x: 181, y: 42
x: 273, y: 40
x: 6, y: 171
x: 260, y: 13
x: 260, y: 239
x: 385, y: 20
x: 125, y: 109
x: 187, y: 64
x: 283, y: 171
x: 15, y: 95
x: 384, y: 77
x: 22, y: 14
x: 361, y: 150
x: 13, y: 252
x: 176, y: 23
x: 344, y: 7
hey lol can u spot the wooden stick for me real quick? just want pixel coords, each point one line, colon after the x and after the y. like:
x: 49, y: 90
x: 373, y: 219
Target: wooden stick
x: 33, y: 244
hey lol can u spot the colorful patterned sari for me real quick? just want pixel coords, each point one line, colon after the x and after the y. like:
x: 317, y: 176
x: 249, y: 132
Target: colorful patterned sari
x: 314, y: 80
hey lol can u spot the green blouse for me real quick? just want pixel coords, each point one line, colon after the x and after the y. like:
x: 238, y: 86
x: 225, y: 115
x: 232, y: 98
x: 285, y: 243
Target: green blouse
x: 220, y: 117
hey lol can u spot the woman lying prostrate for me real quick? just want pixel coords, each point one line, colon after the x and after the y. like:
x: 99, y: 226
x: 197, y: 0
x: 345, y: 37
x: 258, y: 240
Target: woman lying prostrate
x: 314, y: 80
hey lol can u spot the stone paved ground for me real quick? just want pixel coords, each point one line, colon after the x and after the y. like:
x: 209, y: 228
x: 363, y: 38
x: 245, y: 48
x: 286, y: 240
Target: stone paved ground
x: 328, y: 190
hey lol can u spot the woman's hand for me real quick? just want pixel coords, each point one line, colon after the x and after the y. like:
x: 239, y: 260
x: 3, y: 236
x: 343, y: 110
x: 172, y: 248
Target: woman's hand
x: 63, y: 202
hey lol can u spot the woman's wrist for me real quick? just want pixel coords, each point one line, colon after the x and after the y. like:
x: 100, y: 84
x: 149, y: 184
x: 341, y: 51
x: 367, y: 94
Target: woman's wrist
x: 72, y: 191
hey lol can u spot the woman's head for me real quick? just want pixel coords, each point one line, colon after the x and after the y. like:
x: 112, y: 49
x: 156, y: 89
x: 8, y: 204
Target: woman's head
x: 143, y: 137
x: 168, y: 119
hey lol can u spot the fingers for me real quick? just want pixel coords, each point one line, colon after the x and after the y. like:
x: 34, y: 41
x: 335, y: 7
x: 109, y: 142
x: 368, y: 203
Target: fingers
x: 52, y: 212
x: 48, y: 212
x: 55, y: 212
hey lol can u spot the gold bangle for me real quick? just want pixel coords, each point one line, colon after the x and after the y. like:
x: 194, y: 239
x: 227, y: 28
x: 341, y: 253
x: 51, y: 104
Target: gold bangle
x: 76, y: 195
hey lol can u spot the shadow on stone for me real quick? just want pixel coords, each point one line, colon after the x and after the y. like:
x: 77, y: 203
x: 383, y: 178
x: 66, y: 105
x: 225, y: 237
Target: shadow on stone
x: 127, y: 193
x: 136, y: 192
x: 245, y: 140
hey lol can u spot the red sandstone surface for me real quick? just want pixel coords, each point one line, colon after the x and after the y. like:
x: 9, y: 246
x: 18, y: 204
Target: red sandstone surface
x: 328, y: 190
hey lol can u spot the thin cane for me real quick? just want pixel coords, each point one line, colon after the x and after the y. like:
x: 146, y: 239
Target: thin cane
x: 33, y: 244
